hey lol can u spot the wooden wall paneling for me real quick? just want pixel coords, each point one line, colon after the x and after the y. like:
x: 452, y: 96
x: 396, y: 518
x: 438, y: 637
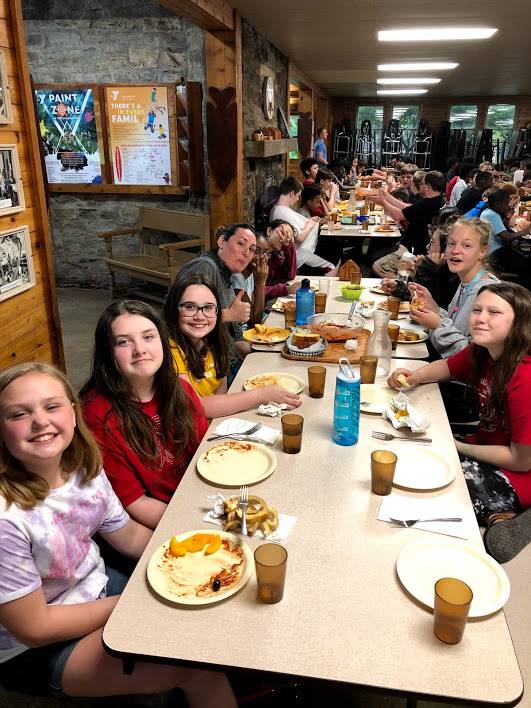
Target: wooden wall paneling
x: 30, y: 325
x: 306, y: 126
x: 211, y: 15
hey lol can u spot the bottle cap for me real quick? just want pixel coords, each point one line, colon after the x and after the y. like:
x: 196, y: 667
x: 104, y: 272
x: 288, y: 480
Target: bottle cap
x: 305, y: 283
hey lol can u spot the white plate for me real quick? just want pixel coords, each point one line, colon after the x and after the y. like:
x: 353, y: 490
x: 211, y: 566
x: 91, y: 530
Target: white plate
x: 377, y: 397
x: 422, y: 334
x: 422, y: 469
x: 278, y: 305
x: 377, y: 289
x: 422, y: 563
x: 232, y: 463
x: 158, y: 580
x: 287, y: 381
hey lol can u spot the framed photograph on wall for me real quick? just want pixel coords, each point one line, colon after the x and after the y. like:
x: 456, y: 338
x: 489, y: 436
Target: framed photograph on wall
x: 16, y: 263
x: 11, y: 192
x: 6, y: 114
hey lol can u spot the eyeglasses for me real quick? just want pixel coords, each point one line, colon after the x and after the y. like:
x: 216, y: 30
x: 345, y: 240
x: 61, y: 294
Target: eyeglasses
x: 190, y: 309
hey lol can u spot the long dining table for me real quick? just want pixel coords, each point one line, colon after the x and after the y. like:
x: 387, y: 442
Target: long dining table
x: 344, y: 616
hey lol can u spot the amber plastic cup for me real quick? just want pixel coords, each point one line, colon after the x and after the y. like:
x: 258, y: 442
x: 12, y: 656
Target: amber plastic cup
x: 289, y: 317
x: 270, y: 561
x: 316, y: 381
x: 393, y: 306
x: 320, y: 302
x: 451, y: 608
x: 365, y: 225
x: 292, y: 432
x: 368, y: 369
x: 383, y: 464
x: 355, y: 277
x: 372, y: 206
x: 394, y: 331
x: 364, y: 209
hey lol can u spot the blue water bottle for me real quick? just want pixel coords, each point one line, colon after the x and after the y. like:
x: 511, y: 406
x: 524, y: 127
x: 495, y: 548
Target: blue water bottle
x: 304, y: 303
x: 346, y: 405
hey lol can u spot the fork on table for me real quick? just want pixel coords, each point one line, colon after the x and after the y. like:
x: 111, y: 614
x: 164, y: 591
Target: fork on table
x: 239, y: 434
x: 243, y: 504
x: 388, y: 436
x: 408, y: 523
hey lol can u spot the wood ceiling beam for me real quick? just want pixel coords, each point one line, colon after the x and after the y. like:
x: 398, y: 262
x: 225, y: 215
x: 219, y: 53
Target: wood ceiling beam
x: 210, y: 15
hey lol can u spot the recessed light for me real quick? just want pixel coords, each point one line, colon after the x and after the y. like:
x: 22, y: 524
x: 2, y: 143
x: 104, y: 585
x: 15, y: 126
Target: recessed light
x: 435, y: 34
x: 400, y: 92
x: 403, y: 82
x: 419, y: 66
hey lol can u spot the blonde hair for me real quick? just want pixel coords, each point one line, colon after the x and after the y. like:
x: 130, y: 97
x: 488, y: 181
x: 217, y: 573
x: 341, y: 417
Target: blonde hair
x: 482, y: 228
x: 24, y: 488
x: 508, y: 187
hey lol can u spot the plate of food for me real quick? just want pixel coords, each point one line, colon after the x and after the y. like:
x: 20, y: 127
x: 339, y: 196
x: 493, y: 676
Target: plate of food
x: 384, y: 229
x: 378, y: 290
x: 336, y: 327
x: 422, y: 563
x: 411, y: 335
x: 232, y: 463
x: 199, y: 568
x: 374, y: 398
x: 271, y: 378
x: 261, y: 334
x: 284, y: 303
x: 403, y: 310
x: 422, y: 470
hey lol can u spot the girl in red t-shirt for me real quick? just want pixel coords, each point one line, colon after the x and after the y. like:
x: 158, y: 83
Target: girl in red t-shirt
x: 147, y: 422
x: 496, y: 460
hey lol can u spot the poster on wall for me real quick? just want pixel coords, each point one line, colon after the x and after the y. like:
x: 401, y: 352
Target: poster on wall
x: 67, y: 127
x: 16, y: 264
x: 139, y: 140
x: 11, y: 192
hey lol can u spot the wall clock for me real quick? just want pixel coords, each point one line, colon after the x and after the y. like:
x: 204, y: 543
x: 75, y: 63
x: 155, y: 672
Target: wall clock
x: 268, y: 97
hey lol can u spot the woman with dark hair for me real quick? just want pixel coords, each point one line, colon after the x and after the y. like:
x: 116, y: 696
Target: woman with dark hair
x: 148, y: 424
x: 309, y: 168
x: 200, y: 350
x: 496, y: 366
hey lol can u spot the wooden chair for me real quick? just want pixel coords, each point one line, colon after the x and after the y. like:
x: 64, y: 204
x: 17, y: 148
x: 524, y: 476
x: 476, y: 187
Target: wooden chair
x: 152, y: 262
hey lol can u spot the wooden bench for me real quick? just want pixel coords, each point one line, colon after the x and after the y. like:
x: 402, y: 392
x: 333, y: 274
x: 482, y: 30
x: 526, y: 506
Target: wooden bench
x: 157, y: 263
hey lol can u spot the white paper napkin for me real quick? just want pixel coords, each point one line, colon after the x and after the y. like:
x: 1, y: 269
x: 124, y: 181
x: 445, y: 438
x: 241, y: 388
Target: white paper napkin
x: 398, y: 506
x: 413, y: 419
x: 285, y: 524
x: 274, y: 410
x: 236, y: 426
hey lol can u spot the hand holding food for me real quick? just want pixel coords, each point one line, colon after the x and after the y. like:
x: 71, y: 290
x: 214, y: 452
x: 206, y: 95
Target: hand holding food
x: 259, y: 516
x: 425, y: 318
x: 388, y: 285
x: 401, y: 378
x: 421, y: 292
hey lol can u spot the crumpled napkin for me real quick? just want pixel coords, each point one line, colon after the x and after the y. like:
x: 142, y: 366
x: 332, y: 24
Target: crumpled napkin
x: 236, y: 426
x: 274, y: 410
x: 402, y: 414
x: 214, y: 516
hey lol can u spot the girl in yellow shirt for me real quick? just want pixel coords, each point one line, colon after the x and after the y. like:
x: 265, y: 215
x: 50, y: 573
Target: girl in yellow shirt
x: 200, y: 348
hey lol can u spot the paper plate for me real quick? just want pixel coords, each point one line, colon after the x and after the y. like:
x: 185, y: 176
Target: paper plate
x: 377, y: 289
x: 158, y: 579
x: 288, y: 381
x: 375, y: 397
x: 232, y: 463
x: 423, y: 336
x: 422, y: 470
x: 271, y: 336
x: 422, y: 563
x: 278, y: 305
x: 404, y: 307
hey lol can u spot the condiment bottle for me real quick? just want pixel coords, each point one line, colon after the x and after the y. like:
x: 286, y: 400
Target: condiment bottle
x: 379, y: 343
x: 304, y: 303
x: 346, y: 429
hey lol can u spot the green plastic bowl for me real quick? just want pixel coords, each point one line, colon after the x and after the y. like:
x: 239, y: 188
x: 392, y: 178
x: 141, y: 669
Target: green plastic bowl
x: 350, y: 294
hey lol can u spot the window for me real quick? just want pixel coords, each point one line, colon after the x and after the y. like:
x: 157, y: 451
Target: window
x: 408, y: 117
x: 294, y: 131
x: 500, y: 117
x: 368, y: 148
x: 464, y: 117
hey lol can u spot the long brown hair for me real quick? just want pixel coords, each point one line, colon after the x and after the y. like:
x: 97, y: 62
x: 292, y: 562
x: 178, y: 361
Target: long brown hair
x: 216, y: 341
x: 517, y: 345
x: 26, y: 489
x: 107, y: 379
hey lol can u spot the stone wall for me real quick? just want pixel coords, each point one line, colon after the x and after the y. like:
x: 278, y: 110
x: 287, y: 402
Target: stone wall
x: 130, y: 41
x: 260, y: 59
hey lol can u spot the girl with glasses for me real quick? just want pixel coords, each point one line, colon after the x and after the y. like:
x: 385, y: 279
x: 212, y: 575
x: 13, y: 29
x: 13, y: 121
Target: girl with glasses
x: 147, y: 422
x: 201, y: 347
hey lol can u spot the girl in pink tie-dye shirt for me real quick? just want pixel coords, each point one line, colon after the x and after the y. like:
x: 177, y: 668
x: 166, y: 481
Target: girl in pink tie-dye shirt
x: 55, y: 592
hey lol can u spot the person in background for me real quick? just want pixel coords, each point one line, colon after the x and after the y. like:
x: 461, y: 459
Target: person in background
x: 200, y: 350
x: 329, y: 188
x: 312, y: 202
x: 496, y: 460
x: 461, y: 183
x: 252, y: 281
x: 56, y: 593
x: 452, y: 163
x: 309, y: 167
x: 472, y: 195
x: 525, y: 166
x: 486, y: 167
x: 320, y: 152
x: 282, y: 260
x: 405, y: 178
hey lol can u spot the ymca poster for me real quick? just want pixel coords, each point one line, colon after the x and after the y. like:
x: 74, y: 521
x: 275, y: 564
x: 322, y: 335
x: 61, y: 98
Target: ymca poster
x: 67, y: 126
x: 139, y: 137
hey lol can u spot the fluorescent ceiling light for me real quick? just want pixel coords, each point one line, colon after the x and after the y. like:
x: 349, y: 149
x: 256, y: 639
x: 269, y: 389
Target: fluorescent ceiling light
x: 419, y: 66
x: 401, y: 92
x: 403, y: 82
x: 434, y: 34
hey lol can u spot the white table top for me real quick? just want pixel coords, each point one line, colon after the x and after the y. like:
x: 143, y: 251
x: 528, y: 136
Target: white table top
x: 336, y: 303
x: 355, y: 231
x: 344, y: 616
